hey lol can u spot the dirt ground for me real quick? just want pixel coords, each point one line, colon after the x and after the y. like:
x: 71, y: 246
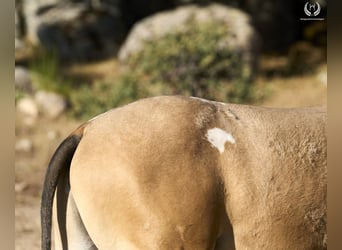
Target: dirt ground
x: 46, y: 135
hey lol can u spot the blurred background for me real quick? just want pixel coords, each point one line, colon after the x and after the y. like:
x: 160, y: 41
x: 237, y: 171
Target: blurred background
x: 75, y: 59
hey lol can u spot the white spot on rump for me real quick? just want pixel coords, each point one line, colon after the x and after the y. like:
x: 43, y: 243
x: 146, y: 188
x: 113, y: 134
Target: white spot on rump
x: 218, y: 138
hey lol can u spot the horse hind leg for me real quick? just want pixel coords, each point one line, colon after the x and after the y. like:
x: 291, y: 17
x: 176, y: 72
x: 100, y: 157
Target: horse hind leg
x: 69, y: 230
x: 78, y: 237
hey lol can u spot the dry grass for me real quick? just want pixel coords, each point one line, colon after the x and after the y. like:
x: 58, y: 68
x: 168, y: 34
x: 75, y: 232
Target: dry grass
x: 107, y: 70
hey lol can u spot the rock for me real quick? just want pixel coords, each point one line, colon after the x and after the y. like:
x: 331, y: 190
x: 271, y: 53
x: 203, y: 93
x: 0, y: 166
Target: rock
x: 24, y: 146
x: 22, y: 79
x: 50, y: 104
x: 240, y: 37
x: 28, y: 107
x: 52, y: 135
x: 30, y: 10
x: 76, y: 30
x: 20, y: 186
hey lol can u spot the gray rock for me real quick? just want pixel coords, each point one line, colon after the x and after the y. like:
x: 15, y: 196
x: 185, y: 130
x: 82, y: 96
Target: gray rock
x: 52, y: 135
x: 20, y: 186
x: 22, y: 79
x: 240, y: 34
x: 50, y: 104
x: 24, y: 146
x: 31, y: 12
x: 76, y: 30
x: 27, y: 107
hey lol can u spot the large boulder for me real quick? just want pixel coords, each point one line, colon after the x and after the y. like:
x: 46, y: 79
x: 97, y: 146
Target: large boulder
x: 31, y: 9
x: 77, y: 30
x: 240, y: 37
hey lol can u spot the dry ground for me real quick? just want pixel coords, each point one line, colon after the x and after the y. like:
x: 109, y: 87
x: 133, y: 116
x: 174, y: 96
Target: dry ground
x: 46, y: 135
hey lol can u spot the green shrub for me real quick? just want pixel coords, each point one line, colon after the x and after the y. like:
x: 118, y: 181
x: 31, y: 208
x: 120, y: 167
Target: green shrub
x: 190, y: 62
x: 90, y: 100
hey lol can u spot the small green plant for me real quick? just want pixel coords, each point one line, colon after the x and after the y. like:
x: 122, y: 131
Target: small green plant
x: 45, y: 71
x: 90, y: 100
x: 19, y: 94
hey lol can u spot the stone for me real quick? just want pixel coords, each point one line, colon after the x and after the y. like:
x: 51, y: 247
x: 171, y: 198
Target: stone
x: 27, y: 107
x: 20, y: 186
x: 50, y: 104
x: 24, y: 146
x: 76, y: 30
x: 31, y: 10
x: 52, y: 135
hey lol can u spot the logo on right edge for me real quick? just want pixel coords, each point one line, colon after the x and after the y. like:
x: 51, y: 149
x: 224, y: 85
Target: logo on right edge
x: 312, y: 10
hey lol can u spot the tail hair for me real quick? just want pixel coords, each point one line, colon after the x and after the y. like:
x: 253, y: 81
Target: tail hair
x: 60, y: 163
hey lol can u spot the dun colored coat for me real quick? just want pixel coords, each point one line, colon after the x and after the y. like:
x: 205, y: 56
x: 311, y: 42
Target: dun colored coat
x: 181, y: 173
